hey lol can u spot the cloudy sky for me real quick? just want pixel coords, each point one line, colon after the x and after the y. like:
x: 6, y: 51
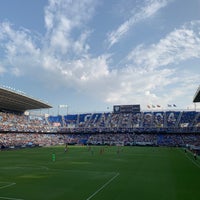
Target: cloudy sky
x: 91, y: 54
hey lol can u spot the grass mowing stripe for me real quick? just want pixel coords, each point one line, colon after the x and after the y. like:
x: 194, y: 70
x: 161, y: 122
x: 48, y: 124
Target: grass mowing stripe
x: 103, y: 186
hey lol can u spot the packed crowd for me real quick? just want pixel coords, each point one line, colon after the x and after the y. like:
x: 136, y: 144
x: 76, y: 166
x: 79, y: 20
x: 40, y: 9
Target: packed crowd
x: 13, y: 122
x: 9, y: 140
x: 30, y: 139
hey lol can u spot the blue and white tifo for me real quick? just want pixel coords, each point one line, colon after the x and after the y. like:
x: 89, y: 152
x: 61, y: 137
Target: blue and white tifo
x: 121, y: 120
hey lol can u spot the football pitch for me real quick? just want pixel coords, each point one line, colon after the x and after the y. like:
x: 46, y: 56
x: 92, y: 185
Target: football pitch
x: 99, y: 173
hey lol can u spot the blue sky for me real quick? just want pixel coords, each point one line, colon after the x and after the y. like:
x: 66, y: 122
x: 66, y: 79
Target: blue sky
x: 91, y: 55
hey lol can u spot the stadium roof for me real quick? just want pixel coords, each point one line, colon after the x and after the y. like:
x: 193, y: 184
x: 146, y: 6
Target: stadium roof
x: 17, y: 101
x: 197, y: 95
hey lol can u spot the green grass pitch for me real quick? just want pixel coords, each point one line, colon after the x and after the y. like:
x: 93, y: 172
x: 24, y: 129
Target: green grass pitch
x: 102, y: 173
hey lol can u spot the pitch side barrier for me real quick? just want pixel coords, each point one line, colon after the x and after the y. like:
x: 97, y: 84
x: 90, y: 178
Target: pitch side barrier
x: 16, y: 147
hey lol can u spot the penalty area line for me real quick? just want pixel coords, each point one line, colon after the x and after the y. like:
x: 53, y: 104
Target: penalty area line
x: 103, y: 186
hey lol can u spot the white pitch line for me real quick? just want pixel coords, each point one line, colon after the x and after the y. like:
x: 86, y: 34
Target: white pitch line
x: 103, y: 186
x: 195, y: 163
x: 10, y: 198
x: 8, y: 185
x: 5, y: 186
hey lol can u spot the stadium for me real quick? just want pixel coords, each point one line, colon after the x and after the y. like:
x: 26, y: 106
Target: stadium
x: 124, y: 154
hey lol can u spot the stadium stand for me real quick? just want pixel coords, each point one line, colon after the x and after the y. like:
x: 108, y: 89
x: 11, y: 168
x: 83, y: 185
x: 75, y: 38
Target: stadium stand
x: 11, y: 100
x: 124, y: 126
x: 143, y: 122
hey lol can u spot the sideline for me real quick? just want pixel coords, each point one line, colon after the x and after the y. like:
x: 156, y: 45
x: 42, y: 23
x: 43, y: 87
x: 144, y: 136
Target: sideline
x: 103, y: 186
x: 189, y: 158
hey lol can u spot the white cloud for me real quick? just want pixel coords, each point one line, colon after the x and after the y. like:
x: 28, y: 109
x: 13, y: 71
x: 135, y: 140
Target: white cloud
x: 148, y: 10
x: 177, y: 46
x: 80, y: 46
x: 62, y: 59
x: 2, y: 69
x: 138, y: 86
x: 135, y: 83
x: 62, y: 18
x: 16, y: 71
x: 19, y: 49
